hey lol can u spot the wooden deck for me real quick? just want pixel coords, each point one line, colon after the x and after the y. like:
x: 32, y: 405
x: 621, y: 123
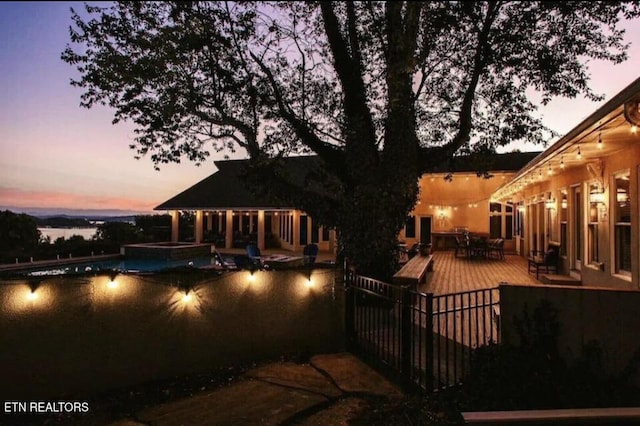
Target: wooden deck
x: 457, y: 274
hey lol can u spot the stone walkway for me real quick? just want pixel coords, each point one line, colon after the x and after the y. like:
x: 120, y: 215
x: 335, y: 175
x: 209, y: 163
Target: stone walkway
x: 332, y: 389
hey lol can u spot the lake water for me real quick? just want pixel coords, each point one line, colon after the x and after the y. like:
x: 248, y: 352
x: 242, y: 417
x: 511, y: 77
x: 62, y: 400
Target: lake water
x: 66, y: 233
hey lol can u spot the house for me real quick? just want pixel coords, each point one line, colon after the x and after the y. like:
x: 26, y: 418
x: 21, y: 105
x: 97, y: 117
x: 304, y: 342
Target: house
x: 229, y: 215
x: 581, y: 193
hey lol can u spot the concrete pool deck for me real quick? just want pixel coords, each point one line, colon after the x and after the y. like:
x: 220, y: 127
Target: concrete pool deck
x: 331, y: 389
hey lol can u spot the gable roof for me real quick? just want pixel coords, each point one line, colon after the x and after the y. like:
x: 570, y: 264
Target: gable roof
x: 226, y: 190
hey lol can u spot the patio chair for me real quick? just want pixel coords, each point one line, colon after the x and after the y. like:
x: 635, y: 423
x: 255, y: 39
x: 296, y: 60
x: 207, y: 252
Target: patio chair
x: 496, y: 246
x: 253, y: 253
x: 309, y: 253
x: 547, y: 260
x: 461, y: 246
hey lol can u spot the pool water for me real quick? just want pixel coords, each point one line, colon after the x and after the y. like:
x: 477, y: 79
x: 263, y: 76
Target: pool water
x: 125, y: 265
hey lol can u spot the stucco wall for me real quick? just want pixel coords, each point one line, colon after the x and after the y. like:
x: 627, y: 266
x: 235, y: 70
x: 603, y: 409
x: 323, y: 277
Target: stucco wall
x: 457, y: 194
x: 606, y: 316
x: 627, y: 159
x: 80, y: 336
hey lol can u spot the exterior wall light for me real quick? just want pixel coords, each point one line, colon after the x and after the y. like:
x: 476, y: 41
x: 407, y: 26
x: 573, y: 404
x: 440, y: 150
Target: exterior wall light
x: 186, y: 297
x: 550, y: 204
x: 622, y: 197
x: 597, y: 197
x: 564, y: 203
x: 31, y: 296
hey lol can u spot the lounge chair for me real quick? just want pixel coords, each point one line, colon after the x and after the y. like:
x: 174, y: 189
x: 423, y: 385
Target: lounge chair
x: 309, y: 254
x: 253, y: 253
x: 547, y: 260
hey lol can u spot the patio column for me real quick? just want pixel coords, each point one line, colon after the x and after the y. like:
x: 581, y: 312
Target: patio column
x: 332, y: 241
x: 228, y: 236
x: 197, y: 229
x: 175, y: 220
x: 296, y: 230
x: 209, y: 221
x: 261, y: 229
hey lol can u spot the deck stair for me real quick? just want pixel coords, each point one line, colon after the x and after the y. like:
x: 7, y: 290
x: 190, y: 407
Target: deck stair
x: 559, y: 279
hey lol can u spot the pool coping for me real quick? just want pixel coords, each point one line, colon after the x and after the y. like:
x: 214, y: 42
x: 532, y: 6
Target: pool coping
x: 12, y: 267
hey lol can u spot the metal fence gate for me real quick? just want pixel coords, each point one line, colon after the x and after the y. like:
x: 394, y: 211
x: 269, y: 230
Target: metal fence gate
x: 427, y: 339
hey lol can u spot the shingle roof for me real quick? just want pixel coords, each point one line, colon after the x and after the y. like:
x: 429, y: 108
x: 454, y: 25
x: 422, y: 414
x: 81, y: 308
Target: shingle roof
x: 225, y: 189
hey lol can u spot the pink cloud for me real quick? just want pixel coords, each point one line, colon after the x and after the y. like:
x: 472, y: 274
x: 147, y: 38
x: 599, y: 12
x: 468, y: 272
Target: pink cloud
x: 52, y: 199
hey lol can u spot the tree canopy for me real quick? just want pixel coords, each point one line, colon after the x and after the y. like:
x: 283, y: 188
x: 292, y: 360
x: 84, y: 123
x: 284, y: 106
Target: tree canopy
x: 380, y: 91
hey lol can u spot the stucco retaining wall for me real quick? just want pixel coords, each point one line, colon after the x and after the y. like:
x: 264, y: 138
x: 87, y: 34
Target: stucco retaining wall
x: 80, y: 336
x: 586, y: 314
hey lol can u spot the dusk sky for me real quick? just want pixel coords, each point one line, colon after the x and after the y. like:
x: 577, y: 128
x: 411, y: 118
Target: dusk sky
x: 55, y: 154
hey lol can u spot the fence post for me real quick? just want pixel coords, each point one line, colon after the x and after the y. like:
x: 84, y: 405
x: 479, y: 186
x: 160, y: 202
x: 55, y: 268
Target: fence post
x: 429, y: 342
x: 349, y: 307
x: 406, y: 320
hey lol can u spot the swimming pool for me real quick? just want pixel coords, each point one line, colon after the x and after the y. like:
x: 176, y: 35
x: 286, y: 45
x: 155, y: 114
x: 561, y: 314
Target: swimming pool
x: 123, y: 265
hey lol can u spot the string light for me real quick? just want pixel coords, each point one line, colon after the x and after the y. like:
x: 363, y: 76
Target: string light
x: 562, y: 162
x: 600, y: 140
x: 579, y: 155
x: 549, y: 171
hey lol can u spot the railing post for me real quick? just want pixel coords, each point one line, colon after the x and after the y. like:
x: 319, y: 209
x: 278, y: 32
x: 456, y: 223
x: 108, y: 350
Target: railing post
x: 406, y: 333
x: 349, y: 306
x: 429, y: 342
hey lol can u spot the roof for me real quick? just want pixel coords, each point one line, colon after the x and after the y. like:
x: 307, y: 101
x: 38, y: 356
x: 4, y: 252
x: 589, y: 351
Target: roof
x: 506, y: 162
x: 226, y: 190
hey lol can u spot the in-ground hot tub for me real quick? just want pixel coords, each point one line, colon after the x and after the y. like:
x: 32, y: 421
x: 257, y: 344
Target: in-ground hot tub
x: 165, y: 251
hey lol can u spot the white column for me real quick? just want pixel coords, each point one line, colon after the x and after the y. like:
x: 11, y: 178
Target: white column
x: 296, y: 230
x: 197, y: 229
x: 261, y: 229
x: 209, y: 221
x: 228, y: 237
x: 333, y: 246
x: 175, y: 220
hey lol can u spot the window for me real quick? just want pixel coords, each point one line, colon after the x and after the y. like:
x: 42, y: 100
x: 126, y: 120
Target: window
x: 564, y: 207
x: 410, y: 227
x: 498, y: 215
x: 520, y: 220
x: 592, y: 227
x: 315, y: 231
x: 622, y: 224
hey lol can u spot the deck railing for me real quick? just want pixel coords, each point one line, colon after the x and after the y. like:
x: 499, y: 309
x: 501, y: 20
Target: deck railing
x: 426, y: 339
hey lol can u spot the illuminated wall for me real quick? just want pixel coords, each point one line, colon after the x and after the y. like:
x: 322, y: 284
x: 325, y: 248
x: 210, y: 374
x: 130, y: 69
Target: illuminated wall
x: 78, y: 336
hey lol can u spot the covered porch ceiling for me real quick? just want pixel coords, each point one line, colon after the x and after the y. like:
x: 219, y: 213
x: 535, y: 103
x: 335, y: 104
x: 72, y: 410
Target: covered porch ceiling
x: 600, y: 135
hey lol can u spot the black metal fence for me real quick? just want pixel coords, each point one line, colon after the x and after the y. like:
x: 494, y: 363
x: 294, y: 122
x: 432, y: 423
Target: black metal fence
x: 427, y: 339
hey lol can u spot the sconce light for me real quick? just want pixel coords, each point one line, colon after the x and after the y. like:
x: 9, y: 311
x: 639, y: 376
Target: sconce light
x: 597, y: 196
x: 622, y: 197
x: 564, y: 204
x: 550, y: 204
x: 112, y: 284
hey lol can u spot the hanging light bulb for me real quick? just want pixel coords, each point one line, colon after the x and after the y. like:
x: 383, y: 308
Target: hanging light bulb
x: 600, y: 140
x: 549, y: 171
x: 579, y: 155
x: 562, y: 162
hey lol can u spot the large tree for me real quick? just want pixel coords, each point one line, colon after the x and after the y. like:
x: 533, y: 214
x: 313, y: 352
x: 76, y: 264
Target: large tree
x: 379, y: 91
